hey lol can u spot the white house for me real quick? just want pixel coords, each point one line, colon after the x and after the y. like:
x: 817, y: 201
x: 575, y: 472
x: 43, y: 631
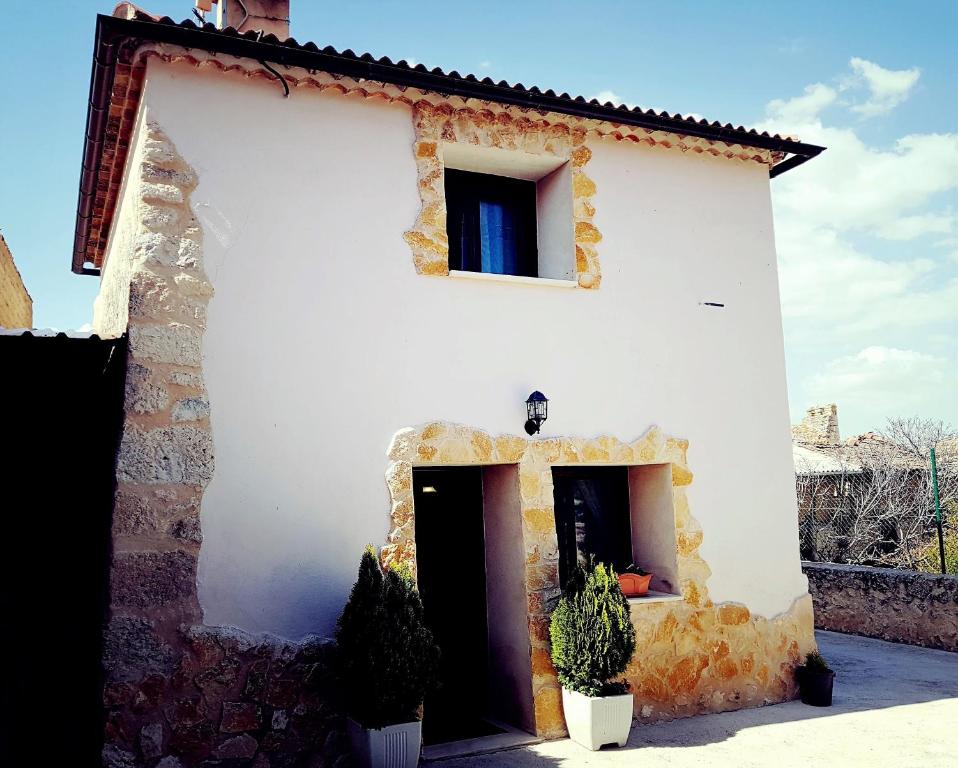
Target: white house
x: 343, y: 276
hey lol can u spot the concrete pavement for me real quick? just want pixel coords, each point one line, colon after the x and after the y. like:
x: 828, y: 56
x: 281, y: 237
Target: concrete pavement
x: 894, y: 705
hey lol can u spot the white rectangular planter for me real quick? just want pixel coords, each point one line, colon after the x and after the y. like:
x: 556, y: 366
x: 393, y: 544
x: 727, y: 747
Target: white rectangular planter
x: 395, y: 746
x: 596, y: 721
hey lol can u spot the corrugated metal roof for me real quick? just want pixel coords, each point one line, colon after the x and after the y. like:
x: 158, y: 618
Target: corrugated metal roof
x: 822, y: 461
x: 48, y: 333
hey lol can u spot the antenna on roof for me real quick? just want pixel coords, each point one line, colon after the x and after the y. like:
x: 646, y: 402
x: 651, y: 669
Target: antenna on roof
x: 203, y: 7
x: 271, y: 17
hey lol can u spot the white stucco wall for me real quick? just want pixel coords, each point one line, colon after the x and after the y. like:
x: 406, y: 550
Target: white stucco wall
x: 323, y: 341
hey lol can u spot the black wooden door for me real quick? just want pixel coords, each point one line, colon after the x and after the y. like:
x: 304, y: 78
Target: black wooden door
x: 450, y: 562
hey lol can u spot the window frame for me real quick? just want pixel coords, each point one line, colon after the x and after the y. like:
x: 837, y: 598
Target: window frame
x: 464, y: 191
x: 616, y: 523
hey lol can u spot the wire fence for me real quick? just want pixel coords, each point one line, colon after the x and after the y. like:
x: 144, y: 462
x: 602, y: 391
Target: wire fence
x: 833, y: 528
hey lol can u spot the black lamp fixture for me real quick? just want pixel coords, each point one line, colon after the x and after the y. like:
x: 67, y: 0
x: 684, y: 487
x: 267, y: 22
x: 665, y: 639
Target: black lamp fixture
x: 537, y: 409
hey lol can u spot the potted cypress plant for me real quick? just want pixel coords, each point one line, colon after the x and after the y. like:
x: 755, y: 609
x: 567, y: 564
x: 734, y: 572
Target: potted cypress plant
x: 592, y: 642
x: 386, y: 660
x: 815, y: 680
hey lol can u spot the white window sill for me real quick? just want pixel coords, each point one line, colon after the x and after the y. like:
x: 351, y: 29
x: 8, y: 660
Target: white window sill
x: 544, y: 282
x: 653, y: 597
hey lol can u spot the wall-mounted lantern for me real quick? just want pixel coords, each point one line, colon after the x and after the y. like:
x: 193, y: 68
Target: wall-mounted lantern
x: 537, y: 409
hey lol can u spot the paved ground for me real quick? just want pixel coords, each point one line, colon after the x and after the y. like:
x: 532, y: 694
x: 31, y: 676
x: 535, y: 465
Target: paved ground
x: 894, y: 705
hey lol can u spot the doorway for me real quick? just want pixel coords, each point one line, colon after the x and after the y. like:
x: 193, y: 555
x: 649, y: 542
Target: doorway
x: 468, y: 526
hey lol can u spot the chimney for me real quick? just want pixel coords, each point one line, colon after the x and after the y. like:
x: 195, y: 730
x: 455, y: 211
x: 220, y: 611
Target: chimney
x: 819, y: 427
x: 269, y: 16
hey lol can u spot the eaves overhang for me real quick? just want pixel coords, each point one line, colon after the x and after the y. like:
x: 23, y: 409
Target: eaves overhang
x: 114, y: 34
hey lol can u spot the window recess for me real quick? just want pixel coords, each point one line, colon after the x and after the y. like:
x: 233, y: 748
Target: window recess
x: 509, y: 213
x: 617, y: 515
x: 491, y: 224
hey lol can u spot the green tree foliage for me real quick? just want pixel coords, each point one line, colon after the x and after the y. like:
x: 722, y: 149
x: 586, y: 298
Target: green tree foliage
x: 592, y: 634
x: 930, y: 560
x: 386, y: 658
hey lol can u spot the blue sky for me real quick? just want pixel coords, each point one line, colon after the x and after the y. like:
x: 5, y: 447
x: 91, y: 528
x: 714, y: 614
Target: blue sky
x: 867, y: 234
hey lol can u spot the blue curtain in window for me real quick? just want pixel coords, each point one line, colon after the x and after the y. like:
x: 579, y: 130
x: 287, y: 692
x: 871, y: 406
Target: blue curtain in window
x: 497, y: 237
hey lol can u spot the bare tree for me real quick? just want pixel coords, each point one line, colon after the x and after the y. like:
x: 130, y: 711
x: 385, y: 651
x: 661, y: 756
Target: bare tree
x: 917, y: 436
x: 874, y: 505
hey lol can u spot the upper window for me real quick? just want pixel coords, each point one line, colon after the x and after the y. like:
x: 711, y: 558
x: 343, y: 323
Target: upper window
x: 491, y: 223
x: 508, y: 213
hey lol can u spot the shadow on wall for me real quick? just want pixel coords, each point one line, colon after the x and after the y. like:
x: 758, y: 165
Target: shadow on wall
x: 302, y: 590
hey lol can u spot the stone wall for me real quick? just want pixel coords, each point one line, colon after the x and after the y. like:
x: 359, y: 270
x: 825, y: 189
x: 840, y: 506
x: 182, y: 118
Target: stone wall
x: 176, y: 693
x: 216, y: 697
x: 819, y: 426
x: 901, y: 606
x: 16, y: 306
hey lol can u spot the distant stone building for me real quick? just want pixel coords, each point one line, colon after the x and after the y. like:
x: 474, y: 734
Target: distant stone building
x: 16, y: 306
x: 863, y: 499
x: 819, y: 427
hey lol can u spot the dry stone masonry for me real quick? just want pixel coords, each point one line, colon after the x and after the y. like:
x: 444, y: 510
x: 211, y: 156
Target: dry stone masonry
x: 819, y: 426
x: 16, y: 306
x: 890, y: 604
x: 163, y: 464
x: 178, y: 694
x: 692, y: 656
x: 215, y: 696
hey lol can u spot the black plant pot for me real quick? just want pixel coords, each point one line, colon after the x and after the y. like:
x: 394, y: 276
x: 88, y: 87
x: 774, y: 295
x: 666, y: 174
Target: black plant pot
x: 815, y: 687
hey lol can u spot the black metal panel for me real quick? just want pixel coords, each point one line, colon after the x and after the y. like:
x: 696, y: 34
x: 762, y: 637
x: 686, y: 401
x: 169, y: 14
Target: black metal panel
x: 61, y: 401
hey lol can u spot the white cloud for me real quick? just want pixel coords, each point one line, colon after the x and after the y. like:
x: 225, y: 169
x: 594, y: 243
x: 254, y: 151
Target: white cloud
x: 881, y: 382
x: 485, y: 64
x: 801, y: 110
x: 603, y: 96
x: 85, y: 328
x: 831, y: 210
x: 856, y: 186
x: 887, y: 87
x: 611, y: 96
x: 910, y: 227
x: 865, y: 237
x: 832, y: 288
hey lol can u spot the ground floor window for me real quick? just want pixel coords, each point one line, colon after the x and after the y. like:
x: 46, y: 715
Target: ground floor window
x: 592, y: 517
x: 620, y: 516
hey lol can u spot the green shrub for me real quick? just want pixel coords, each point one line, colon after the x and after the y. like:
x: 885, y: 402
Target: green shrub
x: 930, y: 558
x: 592, y: 634
x: 386, y: 658
x: 815, y: 662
